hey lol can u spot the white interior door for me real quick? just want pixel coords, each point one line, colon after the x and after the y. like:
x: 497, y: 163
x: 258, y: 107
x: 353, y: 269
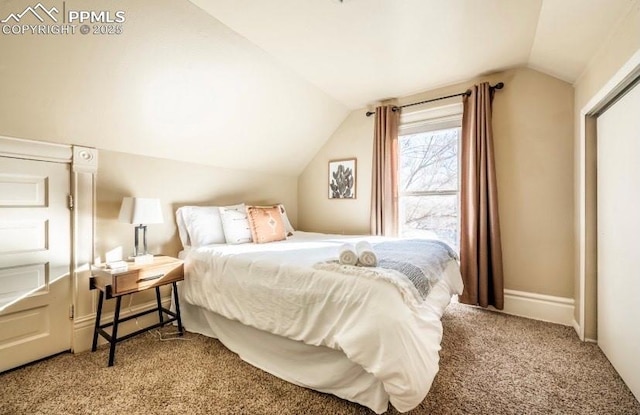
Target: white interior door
x: 35, y: 246
x: 619, y: 237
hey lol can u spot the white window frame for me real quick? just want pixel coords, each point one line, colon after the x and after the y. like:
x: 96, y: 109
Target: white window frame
x: 432, y: 119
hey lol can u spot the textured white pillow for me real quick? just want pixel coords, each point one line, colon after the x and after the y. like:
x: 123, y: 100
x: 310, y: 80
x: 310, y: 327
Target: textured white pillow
x: 285, y: 219
x: 235, y: 224
x: 203, y: 225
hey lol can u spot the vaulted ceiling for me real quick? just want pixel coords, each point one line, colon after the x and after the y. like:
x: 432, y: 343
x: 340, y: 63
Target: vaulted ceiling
x: 361, y: 51
x: 262, y: 84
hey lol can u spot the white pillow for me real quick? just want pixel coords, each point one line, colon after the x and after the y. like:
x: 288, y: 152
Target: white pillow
x: 285, y: 219
x: 203, y: 225
x: 235, y: 224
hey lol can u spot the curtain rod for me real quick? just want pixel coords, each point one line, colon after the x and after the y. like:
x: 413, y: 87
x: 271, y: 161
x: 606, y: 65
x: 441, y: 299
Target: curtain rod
x: 499, y: 85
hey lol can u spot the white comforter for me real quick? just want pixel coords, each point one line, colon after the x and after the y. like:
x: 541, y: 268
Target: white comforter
x: 274, y: 287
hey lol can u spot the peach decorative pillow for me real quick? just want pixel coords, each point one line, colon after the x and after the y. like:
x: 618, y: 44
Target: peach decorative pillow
x: 266, y: 224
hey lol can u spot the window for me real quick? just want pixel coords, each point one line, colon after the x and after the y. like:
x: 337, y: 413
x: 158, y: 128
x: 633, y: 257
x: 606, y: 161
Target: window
x: 428, y: 175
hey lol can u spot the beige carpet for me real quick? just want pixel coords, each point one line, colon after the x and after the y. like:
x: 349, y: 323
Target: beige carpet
x: 491, y: 364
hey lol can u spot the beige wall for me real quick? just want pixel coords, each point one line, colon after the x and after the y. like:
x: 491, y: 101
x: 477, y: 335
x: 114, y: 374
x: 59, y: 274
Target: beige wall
x: 352, y: 139
x: 614, y: 52
x: 176, y: 184
x: 534, y: 157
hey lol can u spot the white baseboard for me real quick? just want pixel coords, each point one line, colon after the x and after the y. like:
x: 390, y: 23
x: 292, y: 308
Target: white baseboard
x: 576, y: 326
x: 83, y: 326
x: 539, y: 307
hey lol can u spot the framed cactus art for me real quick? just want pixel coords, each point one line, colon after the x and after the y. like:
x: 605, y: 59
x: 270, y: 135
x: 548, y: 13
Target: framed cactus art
x: 342, y: 179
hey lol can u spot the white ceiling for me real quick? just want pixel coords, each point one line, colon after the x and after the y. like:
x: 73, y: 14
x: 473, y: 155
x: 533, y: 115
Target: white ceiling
x: 176, y: 84
x: 362, y: 51
x: 262, y: 84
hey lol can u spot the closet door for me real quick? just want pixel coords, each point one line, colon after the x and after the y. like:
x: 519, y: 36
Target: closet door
x: 619, y: 236
x: 35, y: 246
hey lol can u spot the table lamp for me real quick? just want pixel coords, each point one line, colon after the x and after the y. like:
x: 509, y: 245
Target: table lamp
x: 141, y: 212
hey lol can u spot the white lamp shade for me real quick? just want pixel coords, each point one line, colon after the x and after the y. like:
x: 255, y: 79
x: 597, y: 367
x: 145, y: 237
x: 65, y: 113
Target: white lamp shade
x: 138, y: 210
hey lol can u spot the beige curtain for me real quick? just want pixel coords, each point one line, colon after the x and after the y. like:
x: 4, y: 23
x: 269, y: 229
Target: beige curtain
x: 384, y: 186
x: 480, y: 246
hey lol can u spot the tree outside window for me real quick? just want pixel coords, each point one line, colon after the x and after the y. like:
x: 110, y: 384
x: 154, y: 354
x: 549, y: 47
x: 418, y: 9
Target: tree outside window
x: 429, y: 185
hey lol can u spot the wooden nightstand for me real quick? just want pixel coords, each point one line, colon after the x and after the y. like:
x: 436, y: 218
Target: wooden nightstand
x: 162, y: 271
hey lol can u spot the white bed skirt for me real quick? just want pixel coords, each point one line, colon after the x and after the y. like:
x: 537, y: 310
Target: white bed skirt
x: 316, y: 367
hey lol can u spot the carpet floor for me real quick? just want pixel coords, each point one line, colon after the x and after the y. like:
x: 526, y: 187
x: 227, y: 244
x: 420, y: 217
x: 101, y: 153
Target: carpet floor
x: 491, y: 363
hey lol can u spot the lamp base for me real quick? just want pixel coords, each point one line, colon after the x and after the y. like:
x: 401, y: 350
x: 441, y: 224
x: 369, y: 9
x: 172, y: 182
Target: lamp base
x: 137, y: 249
x: 143, y: 259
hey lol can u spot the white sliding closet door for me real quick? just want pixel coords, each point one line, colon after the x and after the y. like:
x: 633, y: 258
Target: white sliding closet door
x: 619, y: 236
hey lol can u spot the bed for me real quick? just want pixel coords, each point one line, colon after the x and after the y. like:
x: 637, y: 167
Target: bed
x: 289, y: 308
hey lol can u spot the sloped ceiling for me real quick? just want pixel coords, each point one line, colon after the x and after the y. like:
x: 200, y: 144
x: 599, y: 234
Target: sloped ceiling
x: 362, y: 51
x: 262, y: 84
x: 176, y: 84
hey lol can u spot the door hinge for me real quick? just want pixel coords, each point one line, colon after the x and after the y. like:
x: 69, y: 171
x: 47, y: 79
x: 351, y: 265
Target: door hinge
x: 70, y: 200
x: 71, y: 311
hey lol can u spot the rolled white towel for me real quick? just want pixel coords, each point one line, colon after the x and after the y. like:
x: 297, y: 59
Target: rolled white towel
x: 366, y: 256
x: 348, y: 255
